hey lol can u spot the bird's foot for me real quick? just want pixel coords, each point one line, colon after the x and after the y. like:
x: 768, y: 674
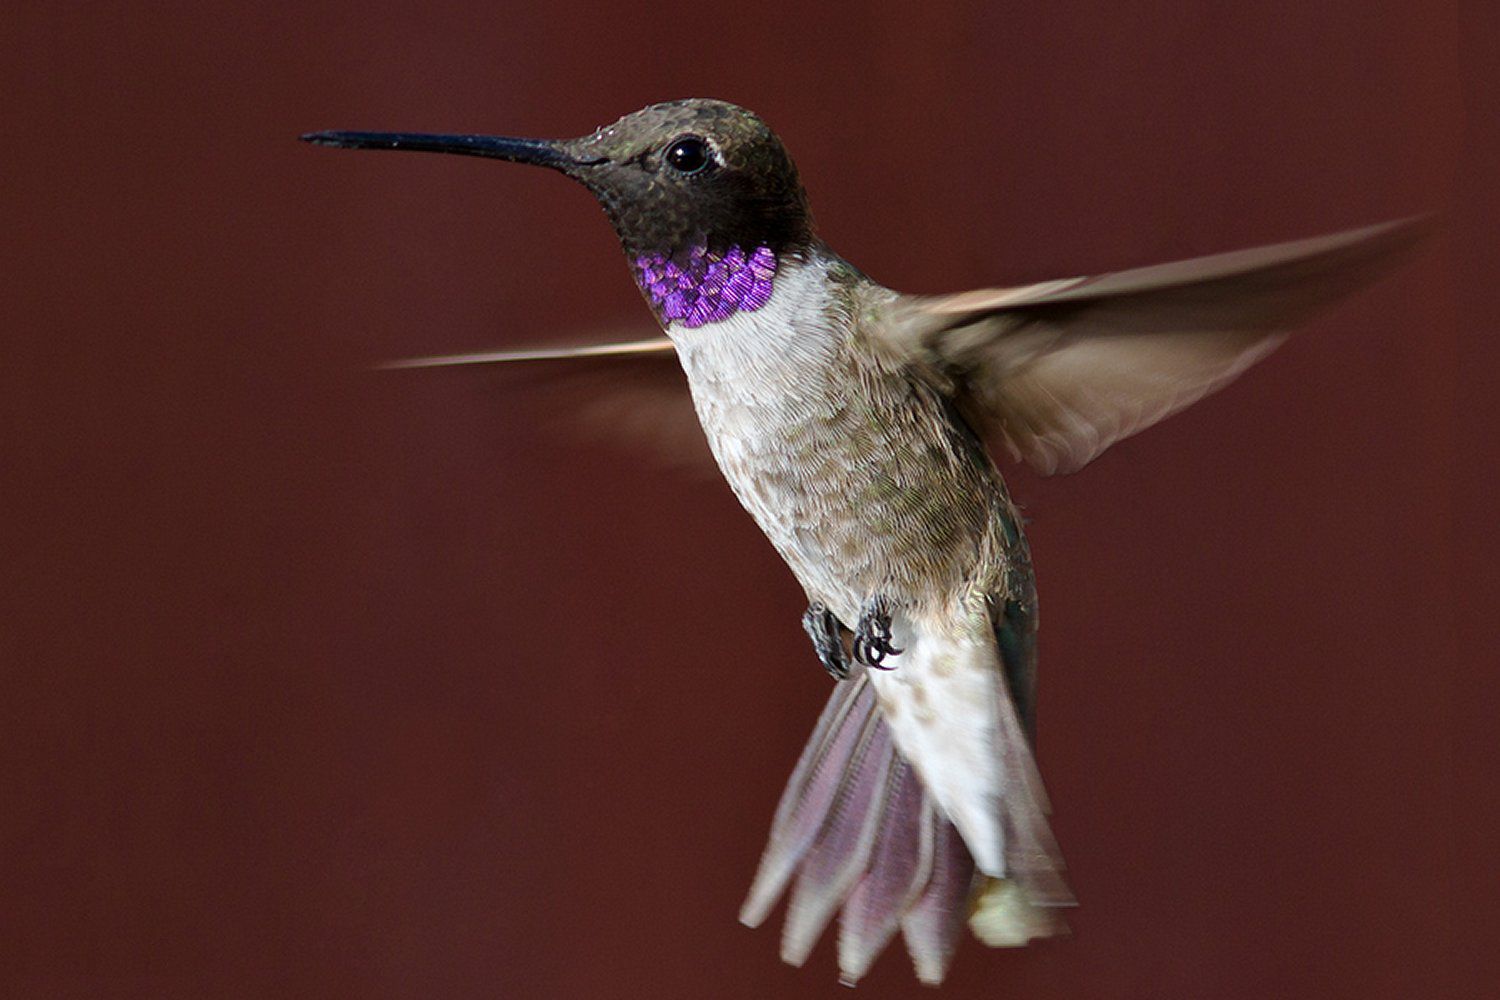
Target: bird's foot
x: 823, y: 629
x: 872, y: 640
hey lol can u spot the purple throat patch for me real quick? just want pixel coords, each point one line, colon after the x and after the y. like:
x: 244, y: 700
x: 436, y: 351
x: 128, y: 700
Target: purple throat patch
x: 699, y: 287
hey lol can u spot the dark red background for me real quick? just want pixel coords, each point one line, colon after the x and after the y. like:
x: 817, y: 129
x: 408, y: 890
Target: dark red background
x: 324, y: 683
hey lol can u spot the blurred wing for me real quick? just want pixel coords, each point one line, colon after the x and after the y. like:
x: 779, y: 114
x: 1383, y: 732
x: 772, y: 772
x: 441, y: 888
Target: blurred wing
x: 630, y: 392
x: 655, y: 347
x: 1059, y: 371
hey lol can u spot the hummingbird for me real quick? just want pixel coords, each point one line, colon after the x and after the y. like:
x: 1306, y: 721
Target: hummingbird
x: 858, y: 427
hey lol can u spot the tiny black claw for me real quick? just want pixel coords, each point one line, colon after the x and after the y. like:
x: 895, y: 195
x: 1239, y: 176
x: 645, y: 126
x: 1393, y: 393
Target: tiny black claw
x: 822, y: 627
x: 872, y: 640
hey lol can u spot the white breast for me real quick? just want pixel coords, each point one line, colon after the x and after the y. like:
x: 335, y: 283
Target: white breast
x: 762, y: 386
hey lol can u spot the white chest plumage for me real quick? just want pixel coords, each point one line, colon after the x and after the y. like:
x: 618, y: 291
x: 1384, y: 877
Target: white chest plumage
x: 851, y: 468
x: 761, y: 383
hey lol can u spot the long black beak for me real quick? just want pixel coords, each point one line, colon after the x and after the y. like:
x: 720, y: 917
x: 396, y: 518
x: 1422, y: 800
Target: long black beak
x: 541, y: 152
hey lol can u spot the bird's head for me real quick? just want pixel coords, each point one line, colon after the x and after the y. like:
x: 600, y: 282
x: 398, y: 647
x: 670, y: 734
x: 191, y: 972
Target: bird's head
x: 702, y: 194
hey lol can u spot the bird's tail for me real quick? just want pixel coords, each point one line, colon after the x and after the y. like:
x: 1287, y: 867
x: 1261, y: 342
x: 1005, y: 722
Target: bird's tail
x: 858, y: 830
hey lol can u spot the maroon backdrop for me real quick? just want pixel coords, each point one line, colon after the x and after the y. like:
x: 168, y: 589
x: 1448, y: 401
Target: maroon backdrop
x: 325, y: 683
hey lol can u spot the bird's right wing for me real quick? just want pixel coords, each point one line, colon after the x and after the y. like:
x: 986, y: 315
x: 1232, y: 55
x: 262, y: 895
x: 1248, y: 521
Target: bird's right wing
x: 631, y: 392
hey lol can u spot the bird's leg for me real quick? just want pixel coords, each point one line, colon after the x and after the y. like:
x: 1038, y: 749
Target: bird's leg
x: 872, y: 640
x: 823, y: 629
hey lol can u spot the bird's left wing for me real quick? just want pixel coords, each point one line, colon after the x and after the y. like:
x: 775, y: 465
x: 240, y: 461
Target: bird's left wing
x: 1056, y: 372
x: 631, y: 391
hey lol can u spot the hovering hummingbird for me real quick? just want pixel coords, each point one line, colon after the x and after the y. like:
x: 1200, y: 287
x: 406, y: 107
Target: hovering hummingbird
x: 852, y: 422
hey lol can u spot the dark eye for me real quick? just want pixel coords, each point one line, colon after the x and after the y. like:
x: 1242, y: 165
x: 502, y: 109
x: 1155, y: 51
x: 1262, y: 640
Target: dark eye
x: 688, y: 155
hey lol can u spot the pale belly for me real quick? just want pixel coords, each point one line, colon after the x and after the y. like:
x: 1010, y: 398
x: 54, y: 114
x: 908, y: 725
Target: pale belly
x: 861, y: 483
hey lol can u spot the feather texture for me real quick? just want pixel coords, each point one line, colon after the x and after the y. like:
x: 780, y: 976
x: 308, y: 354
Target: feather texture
x: 859, y: 833
x: 1056, y: 372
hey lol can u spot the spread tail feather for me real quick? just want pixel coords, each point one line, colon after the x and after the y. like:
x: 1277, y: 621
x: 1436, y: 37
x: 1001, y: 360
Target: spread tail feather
x: 859, y: 831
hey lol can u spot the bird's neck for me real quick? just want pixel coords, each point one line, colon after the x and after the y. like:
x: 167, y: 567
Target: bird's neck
x: 796, y: 334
